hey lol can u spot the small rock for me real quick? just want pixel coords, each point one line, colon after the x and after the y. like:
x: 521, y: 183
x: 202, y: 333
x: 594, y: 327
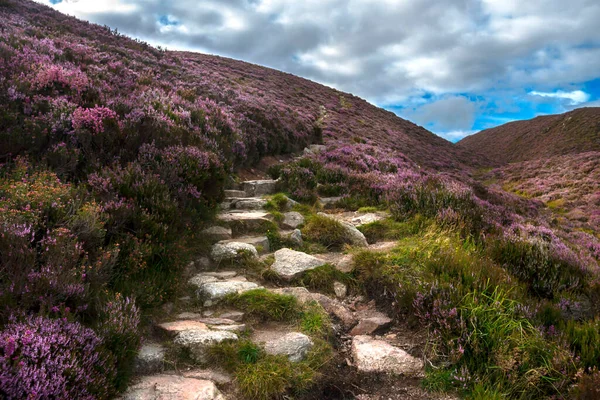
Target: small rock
x: 217, y: 321
x: 370, y: 325
x: 198, y: 341
x: 260, y: 243
x: 372, y: 355
x: 295, y: 345
x: 292, y: 220
x: 172, y: 387
x: 218, y: 290
x: 289, y: 263
x: 340, y: 289
x: 366, y: 219
x: 150, y: 359
x: 314, y: 149
x: 217, y: 233
x: 353, y: 235
x: 296, y: 237
x: 231, y: 251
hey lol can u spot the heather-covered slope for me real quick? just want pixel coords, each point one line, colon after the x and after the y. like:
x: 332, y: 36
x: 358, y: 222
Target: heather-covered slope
x: 116, y: 229
x: 553, y: 135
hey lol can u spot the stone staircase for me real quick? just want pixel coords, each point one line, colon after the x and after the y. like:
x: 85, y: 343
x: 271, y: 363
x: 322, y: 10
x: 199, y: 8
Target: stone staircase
x: 205, y: 322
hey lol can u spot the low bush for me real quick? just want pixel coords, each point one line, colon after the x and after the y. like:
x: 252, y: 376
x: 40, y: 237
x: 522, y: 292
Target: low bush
x: 46, y: 358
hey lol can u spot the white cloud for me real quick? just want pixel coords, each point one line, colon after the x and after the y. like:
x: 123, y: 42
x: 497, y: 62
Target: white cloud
x: 576, y: 96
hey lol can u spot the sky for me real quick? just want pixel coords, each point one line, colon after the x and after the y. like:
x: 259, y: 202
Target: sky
x: 454, y: 67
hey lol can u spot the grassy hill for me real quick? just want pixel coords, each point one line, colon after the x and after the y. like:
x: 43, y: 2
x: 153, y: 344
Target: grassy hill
x: 574, y: 132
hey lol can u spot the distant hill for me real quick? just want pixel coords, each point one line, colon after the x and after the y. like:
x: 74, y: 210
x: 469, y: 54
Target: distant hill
x: 553, y: 135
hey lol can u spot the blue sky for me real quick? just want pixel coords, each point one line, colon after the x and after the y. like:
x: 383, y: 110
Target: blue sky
x: 454, y: 68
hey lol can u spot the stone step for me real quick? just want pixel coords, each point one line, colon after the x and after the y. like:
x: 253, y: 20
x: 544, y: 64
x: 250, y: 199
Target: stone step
x: 232, y: 250
x: 172, y: 387
x: 217, y: 233
x: 244, y: 222
x: 294, y: 345
x: 260, y: 187
x: 235, y: 193
x: 213, y: 288
x: 260, y: 243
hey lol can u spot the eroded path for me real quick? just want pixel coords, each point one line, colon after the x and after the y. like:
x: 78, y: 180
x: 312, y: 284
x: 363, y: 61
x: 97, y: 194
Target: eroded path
x: 374, y: 357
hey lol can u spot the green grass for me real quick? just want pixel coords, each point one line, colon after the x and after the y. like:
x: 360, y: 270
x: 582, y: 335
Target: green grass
x: 264, y: 305
x: 325, y: 231
x: 314, y: 321
x: 322, y: 279
x: 277, y: 202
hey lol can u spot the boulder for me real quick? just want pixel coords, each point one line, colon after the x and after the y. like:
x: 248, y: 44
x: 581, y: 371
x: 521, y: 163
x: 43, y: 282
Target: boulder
x: 290, y: 263
x: 352, y: 235
x: 292, y: 220
x: 294, y: 345
x: 217, y: 233
x: 172, y: 387
x: 150, y: 359
x: 231, y: 251
x: 371, y: 355
x: 198, y: 341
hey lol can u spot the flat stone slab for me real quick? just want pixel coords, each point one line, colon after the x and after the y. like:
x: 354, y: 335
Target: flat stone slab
x: 172, y: 387
x: 218, y: 290
x: 249, y: 203
x: 150, y: 359
x: 292, y: 220
x: 371, y: 355
x: 217, y: 233
x: 182, y: 325
x: 236, y: 316
x: 229, y: 328
x: 290, y: 263
x: 227, y: 251
x: 294, y: 345
x: 198, y: 342
x: 244, y: 216
x: 367, y: 218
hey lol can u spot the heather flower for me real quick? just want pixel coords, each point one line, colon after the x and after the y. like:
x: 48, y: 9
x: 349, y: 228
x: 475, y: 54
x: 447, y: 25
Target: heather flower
x: 47, y: 358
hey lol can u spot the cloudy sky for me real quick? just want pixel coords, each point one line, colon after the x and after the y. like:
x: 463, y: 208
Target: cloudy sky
x: 455, y: 67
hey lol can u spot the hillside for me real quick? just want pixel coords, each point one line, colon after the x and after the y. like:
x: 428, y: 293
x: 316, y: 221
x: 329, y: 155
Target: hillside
x: 140, y: 258
x: 574, y: 132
